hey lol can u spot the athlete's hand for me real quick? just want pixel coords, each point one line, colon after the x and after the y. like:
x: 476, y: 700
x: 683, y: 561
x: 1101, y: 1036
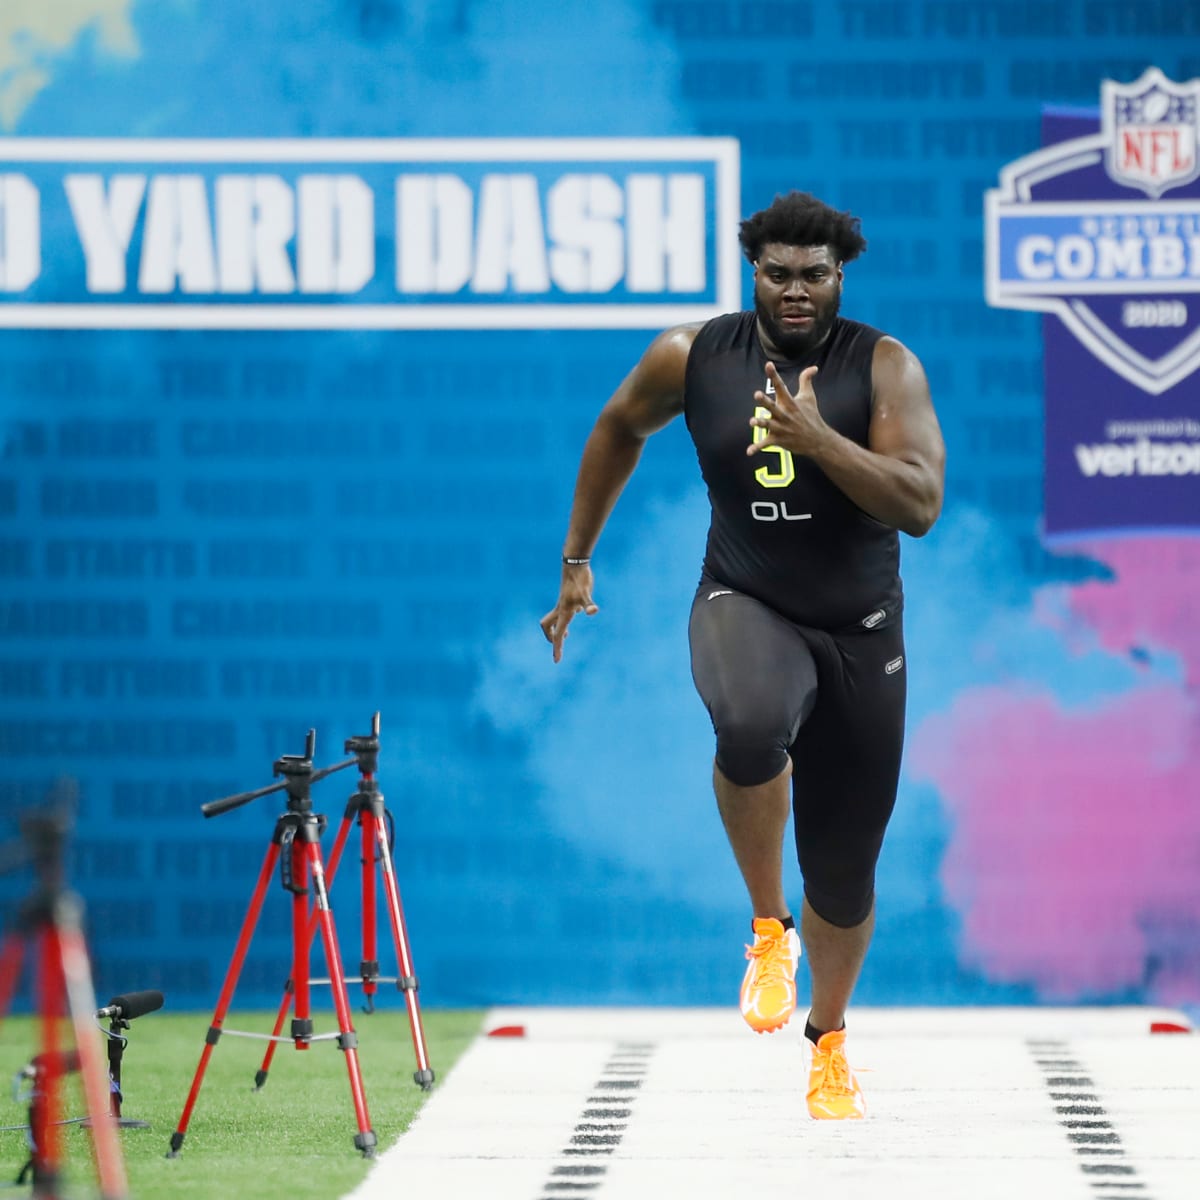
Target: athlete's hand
x: 794, y: 423
x: 574, y: 597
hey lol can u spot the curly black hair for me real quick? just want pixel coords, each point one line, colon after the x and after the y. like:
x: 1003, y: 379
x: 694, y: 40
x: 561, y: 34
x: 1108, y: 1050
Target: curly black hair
x: 799, y: 219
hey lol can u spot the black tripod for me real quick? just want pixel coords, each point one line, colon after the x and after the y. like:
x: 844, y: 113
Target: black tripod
x: 52, y: 920
x: 368, y: 808
x: 296, y: 846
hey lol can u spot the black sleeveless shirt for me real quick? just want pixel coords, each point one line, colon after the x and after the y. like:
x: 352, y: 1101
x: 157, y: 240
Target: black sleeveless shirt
x: 781, y: 531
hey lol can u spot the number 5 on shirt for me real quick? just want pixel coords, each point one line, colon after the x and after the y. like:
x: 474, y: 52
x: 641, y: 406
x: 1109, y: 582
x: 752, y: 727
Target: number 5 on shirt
x: 785, y: 472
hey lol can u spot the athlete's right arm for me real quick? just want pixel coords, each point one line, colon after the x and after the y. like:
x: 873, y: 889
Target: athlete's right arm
x: 649, y: 397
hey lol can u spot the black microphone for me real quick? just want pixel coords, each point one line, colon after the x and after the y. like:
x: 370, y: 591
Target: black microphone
x: 135, y: 1004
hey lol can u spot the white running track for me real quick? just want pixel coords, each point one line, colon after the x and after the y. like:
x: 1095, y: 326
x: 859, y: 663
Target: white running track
x: 689, y: 1104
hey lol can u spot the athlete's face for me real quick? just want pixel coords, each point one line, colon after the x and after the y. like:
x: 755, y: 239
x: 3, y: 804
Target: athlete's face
x: 797, y: 290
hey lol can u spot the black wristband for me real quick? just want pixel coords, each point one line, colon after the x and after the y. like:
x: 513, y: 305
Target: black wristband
x: 575, y: 562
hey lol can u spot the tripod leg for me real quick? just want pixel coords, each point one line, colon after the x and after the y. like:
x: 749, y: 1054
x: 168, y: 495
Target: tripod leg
x: 302, y: 1025
x: 408, y: 980
x: 285, y: 1006
x: 289, y: 989
x: 81, y: 1004
x: 348, y: 1041
x: 370, y: 946
x: 11, y: 957
x: 44, y: 1129
x: 227, y: 989
x: 335, y: 857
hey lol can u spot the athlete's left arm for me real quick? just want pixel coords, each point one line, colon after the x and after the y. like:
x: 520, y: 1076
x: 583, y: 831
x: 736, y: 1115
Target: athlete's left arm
x: 900, y: 477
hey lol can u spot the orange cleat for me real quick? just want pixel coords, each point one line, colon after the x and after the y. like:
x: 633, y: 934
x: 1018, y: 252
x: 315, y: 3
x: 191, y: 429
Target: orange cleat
x: 769, y: 988
x: 833, y: 1091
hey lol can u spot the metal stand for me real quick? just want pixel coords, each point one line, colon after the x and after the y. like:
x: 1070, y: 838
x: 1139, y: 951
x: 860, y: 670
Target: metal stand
x: 367, y: 807
x: 117, y: 1042
x: 52, y: 921
x: 295, y: 846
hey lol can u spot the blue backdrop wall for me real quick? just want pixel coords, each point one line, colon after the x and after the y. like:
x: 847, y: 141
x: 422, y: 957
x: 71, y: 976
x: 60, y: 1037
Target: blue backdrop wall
x: 213, y: 539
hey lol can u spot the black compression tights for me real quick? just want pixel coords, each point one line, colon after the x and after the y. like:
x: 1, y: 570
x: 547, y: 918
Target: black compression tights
x: 835, y: 703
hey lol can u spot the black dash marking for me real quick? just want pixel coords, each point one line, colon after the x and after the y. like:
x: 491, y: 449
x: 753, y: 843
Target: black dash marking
x: 1095, y: 1142
x: 608, y: 1104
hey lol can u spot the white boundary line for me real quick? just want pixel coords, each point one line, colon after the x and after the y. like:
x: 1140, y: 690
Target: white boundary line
x: 722, y: 153
x: 368, y: 150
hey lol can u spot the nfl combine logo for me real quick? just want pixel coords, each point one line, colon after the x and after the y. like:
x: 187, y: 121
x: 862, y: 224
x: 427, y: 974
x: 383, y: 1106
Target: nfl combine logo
x: 1103, y: 229
x: 1100, y: 228
x: 1152, y: 132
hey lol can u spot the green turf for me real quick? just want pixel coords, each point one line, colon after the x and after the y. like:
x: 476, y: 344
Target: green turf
x: 294, y: 1138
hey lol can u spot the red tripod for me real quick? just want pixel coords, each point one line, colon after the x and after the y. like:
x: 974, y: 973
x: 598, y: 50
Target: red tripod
x: 296, y: 847
x: 368, y: 808
x: 53, y: 921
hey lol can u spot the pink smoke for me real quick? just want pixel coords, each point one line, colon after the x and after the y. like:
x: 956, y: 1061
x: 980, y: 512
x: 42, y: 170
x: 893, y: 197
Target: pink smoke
x: 1075, y: 847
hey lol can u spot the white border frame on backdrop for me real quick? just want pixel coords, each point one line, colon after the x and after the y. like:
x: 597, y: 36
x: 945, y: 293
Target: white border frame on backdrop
x: 724, y: 153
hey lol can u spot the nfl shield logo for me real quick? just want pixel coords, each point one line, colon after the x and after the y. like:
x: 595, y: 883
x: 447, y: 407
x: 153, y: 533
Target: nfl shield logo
x: 1152, y: 132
